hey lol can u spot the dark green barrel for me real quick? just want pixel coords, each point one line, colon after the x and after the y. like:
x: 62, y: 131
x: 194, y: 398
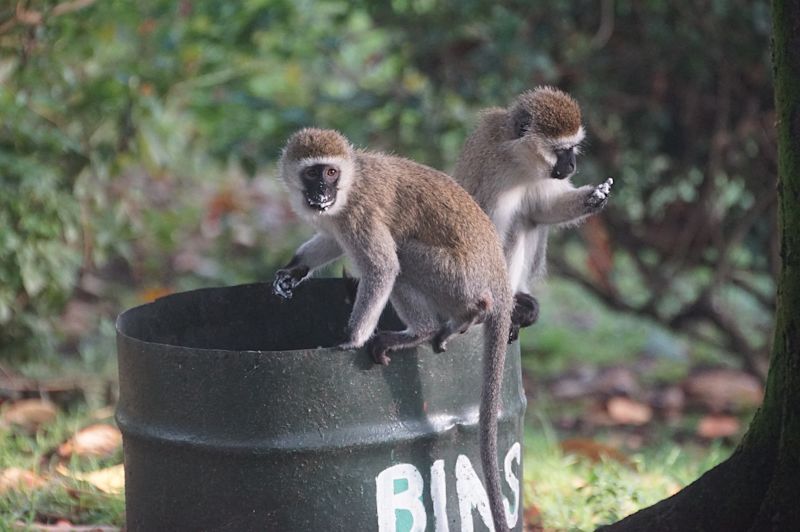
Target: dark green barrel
x: 237, y: 415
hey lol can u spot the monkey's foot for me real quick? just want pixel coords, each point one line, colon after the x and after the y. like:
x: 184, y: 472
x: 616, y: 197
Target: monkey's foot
x: 513, y: 333
x: 377, y: 349
x: 440, y: 343
x: 598, y: 197
x: 526, y: 310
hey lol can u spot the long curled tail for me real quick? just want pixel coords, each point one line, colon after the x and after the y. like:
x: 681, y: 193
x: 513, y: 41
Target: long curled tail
x: 496, y: 330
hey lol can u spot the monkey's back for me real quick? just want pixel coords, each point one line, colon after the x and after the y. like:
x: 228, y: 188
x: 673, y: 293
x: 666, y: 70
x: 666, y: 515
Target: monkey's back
x: 435, y: 210
x: 483, y: 158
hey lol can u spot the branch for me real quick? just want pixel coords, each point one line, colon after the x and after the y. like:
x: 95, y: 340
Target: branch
x: 31, y: 17
x: 610, y: 299
x: 701, y: 309
x: 606, y: 28
x: 765, y: 300
x: 723, y: 266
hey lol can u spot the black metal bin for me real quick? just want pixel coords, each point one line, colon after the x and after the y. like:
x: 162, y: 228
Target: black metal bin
x: 237, y: 415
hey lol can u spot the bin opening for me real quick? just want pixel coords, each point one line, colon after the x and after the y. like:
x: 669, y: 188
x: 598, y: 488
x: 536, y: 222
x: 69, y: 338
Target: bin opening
x: 248, y: 318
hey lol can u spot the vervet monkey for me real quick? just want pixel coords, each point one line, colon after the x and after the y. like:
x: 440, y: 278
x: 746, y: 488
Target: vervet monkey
x: 517, y: 164
x: 417, y: 239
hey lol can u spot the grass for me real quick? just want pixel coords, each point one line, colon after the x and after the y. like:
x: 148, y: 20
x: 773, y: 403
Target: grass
x: 62, y: 497
x: 572, y: 492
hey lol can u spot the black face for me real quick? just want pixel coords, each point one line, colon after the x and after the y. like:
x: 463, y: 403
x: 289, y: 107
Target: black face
x: 320, y: 185
x: 565, y: 163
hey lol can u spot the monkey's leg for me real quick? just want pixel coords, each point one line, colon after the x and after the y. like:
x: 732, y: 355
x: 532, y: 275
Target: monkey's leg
x: 379, y: 269
x: 414, y: 309
x: 475, y: 314
x: 385, y: 341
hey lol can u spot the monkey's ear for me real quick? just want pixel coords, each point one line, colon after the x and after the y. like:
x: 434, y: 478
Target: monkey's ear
x: 522, y: 122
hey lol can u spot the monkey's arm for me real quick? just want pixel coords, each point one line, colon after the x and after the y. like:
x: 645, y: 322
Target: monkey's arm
x: 571, y: 205
x: 376, y: 259
x: 315, y: 253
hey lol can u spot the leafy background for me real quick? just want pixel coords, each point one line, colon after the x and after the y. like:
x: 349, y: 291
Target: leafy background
x: 138, y: 146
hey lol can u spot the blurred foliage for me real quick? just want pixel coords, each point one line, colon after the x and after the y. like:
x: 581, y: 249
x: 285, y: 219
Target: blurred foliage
x: 677, y: 98
x: 138, y: 141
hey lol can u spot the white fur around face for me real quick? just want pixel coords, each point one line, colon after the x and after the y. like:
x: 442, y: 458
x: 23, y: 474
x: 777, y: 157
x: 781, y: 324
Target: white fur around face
x: 536, y: 152
x: 547, y: 149
x: 291, y: 171
x: 570, y: 140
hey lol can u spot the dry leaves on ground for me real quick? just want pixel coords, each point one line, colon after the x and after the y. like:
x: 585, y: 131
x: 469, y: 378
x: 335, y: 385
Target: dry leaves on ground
x: 29, y: 414
x: 532, y: 518
x: 16, y: 479
x: 625, y: 411
x: 716, y: 426
x: 99, y: 440
x: 109, y: 480
x: 721, y: 390
x: 64, y: 526
x: 593, y: 450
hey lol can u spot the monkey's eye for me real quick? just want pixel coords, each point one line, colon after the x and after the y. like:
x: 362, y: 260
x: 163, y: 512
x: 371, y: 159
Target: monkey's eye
x: 330, y: 174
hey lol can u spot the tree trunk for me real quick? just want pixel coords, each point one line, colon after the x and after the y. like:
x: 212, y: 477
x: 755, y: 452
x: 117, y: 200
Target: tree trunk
x: 758, y: 487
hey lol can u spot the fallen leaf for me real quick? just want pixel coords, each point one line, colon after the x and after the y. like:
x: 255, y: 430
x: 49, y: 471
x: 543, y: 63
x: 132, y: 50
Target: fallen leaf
x: 532, y: 518
x: 722, y: 390
x: 148, y: 295
x: 97, y: 440
x: 30, y: 414
x: 108, y: 480
x: 103, y: 413
x: 65, y: 526
x: 625, y: 411
x: 715, y: 426
x: 596, y: 415
x: 16, y: 479
x: 593, y: 450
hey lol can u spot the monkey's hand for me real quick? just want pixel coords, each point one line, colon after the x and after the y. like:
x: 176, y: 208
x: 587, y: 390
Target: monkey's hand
x: 287, y: 279
x: 598, y: 197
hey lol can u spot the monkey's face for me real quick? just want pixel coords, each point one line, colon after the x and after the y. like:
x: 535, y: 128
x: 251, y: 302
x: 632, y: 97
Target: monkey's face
x: 318, y: 166
x: 559, y: 154
x: 565, y: 164
x: 547, y: 124
x: 320, y: 185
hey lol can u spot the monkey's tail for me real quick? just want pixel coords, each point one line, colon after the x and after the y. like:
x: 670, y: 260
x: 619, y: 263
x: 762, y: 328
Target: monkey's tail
x: 496, y: 338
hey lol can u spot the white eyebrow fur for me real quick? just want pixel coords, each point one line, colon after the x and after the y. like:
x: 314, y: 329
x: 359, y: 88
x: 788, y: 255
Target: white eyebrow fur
x: 571, y: 140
